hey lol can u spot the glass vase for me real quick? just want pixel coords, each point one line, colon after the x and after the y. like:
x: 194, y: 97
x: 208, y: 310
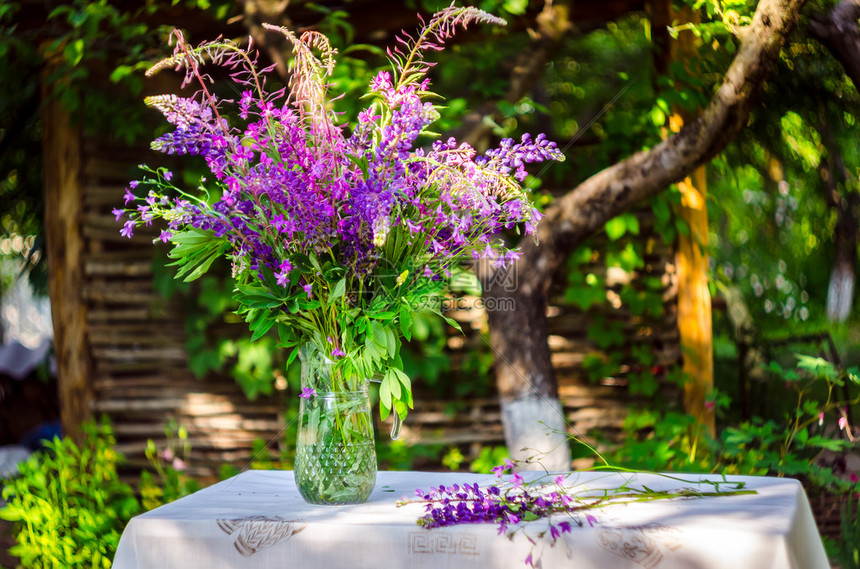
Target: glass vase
x: 335, y: 451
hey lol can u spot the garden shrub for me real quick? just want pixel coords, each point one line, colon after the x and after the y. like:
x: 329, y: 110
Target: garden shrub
x: 69, y: 505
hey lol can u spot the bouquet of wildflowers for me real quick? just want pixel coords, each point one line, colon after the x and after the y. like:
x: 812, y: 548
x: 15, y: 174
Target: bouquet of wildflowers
x: 336, y: 236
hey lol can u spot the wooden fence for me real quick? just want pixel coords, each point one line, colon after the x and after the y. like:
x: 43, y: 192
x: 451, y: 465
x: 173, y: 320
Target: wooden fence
x: 136, y: 339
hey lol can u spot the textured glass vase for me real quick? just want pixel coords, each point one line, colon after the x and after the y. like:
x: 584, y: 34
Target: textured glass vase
x: 335, y: 451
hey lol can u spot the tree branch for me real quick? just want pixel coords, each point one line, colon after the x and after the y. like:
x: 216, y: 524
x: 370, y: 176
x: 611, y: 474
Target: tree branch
x: 583, y: 211
x: 520, y: 337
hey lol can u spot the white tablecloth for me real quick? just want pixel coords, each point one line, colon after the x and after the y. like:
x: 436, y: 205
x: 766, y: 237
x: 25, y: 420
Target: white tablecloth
x: 257, y: 519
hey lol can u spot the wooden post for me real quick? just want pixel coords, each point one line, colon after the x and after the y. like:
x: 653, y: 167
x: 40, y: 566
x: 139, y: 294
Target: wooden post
x: 691, y: 261
x: 61, y: 146
x: 694, y: 299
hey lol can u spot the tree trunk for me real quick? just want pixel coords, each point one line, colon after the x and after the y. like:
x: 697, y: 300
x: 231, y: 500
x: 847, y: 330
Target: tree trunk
x: 585, y: 209
x: 533, y: 419
x: 845, y: 201
x: 532, y: 416
x: 65, y: 246
x: 839, y: 32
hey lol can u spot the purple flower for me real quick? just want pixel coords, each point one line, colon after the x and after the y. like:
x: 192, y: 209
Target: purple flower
x: 282, y: 277
x: 127, y: 229
x: 294, y: 197
x: 118, y: 213
x: 307, y: 392
x: 591, y: 520
x: 381, y: 82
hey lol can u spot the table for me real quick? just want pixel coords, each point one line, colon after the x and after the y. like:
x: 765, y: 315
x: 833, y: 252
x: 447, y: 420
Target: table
x: 257, y: 519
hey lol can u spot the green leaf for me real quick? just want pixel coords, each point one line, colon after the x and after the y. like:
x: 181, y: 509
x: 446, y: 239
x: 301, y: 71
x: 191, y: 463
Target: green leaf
x: 802, y: 436
x: 391, y: 384
x: 453, y: 323
x: 255, y: 297
x: 516, y: 7
x: 361, y: 162
x: 385, y: 397
x: 615, y: 228
x: 262, y: 325
x: 405, y: 323
x: 195, y: 250
x: 403, y: 378
x: 384, y: 316
x: 11, y: 513
x: 74, y: 51
x: 287, y: 335
x: 377, y: 334
x: 819, y: 367
x: 338, y: 290
x: 391, y: 342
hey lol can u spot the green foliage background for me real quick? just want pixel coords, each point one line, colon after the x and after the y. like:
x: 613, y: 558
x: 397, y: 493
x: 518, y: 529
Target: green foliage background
x: 771, y: 226
x: 772, y: 230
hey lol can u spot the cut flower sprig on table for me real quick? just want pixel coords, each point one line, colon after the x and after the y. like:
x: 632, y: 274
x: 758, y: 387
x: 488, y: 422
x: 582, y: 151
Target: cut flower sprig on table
x: 336, y: 237
x: 544, y: 506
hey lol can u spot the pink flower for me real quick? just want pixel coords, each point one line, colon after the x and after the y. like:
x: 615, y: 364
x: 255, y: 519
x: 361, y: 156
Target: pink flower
x: 307, y: 392
x: 843, y: 422
x: 820, y: 418
x: 559, y: 479
x: 590, y: 519
x: 381, y: 82
x: 284, y: 276
x: 517, y: 480
x: 127, y: 229
x: 502, y: 468
x: 178, y: 464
